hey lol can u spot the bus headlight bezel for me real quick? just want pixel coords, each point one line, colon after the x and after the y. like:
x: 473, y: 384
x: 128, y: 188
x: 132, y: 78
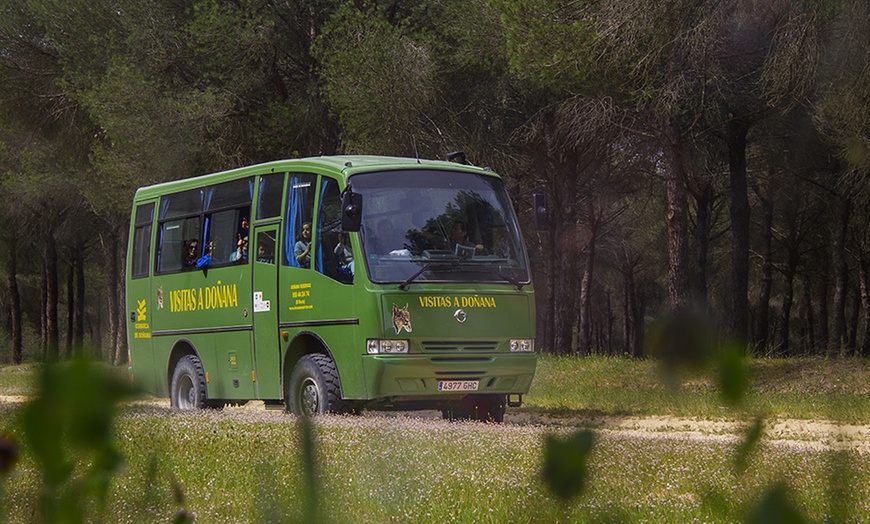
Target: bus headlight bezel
x: 522, y: 345
x: 380, y: 346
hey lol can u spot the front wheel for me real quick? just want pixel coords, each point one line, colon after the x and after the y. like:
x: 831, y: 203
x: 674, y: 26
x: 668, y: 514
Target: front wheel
x: 313, y: 387
x: 187, y: 388
x: 482, y: 408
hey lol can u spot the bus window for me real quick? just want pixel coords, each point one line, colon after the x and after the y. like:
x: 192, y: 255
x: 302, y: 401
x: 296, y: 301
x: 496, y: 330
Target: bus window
x: 334, y: 257
x: 235, y: 194
x: 142, y: 240
x: 300, y: 210
x: 173, y: 237
x: 266, y: 247
x: 224, y: 230
x: 270, y: 194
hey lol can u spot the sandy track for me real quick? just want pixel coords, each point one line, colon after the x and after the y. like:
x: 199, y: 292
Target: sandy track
x: 806, y: 434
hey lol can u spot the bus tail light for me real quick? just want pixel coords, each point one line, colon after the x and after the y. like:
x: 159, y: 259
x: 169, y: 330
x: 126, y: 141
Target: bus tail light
x: 380, y: 346
x: 522, y: 345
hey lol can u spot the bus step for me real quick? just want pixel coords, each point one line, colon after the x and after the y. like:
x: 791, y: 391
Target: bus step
x: 273, y: 405
x: 515, y: 403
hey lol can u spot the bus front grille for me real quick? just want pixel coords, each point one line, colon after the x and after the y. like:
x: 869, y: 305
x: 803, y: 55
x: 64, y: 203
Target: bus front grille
x: 456, y: 346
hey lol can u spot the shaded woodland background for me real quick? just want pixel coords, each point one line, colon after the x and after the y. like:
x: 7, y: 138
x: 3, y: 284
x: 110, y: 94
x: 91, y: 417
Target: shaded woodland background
x: 704, y: 158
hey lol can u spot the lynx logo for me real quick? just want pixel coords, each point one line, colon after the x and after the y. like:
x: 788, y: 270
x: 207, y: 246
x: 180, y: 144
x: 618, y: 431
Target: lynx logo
x: 401, y: 319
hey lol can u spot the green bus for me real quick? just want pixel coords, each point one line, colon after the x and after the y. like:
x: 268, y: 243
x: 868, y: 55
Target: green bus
x: 332, y: 284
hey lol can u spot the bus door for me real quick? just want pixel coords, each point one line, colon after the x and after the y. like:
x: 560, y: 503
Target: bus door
x: 265, y: 310
x: 141, y: 298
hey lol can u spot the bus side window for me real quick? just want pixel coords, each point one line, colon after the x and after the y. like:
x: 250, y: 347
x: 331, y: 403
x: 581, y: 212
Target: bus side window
x: 334, y: 257
x: 265, y: 247
x: 142, y: 240
x: 270, y: 193
x: 173, y: 237
x: 299, y: 212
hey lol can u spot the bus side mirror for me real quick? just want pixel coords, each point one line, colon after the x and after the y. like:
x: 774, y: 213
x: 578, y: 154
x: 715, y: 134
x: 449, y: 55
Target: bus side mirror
x: 351, y: 211
x: 539, y: 206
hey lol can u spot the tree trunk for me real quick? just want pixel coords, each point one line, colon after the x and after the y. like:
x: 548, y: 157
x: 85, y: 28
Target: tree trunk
x: 52, y: 327
x: 70, y: 308
x: 787, y: 300
x: 43, y: 312
x: 810, y: 317
x: 79, y: 326
x: 837, y: 342
x: 854, y: 321
x: 121, y: 337
x: 763, y: 325
x: 677, y: 220
x: 585, y: 284
x: 112, y: 294
x: 704, y: 205
x: 14, y: 302
x: 821, y: 344
x: 863, y: 275
x: 739, y: 313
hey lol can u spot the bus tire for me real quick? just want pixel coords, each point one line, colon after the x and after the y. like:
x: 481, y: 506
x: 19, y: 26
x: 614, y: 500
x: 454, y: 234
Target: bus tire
x: 314, y: 387
x: 482, y: 408
x: 187, y: 388
x: 491, y: 408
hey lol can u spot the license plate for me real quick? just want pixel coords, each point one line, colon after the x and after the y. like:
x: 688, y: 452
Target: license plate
x: 457, y: 385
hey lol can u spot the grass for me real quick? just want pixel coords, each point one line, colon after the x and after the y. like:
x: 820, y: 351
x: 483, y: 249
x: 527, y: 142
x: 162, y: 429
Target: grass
x: 804, y: 388
x: 244, y: 464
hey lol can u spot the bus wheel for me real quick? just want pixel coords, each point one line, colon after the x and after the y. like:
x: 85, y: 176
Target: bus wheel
x: 313, y: 388
x: 187, y: 389
x: 483, y: 408
x: 491, y: 408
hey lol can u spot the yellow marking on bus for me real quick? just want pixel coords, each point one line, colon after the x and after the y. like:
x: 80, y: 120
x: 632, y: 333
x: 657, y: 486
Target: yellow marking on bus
x: 206, y: 377
x: 476, y: 301
x: 253, y: 376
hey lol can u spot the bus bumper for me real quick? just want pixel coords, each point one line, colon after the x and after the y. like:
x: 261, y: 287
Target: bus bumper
x: 417, y: 377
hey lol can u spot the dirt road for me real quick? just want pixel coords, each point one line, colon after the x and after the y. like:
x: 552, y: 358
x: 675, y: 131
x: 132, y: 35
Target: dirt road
x: 806, y: 434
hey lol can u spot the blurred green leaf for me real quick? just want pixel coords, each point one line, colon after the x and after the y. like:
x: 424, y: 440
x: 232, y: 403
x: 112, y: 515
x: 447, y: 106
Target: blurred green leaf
x: 733, y: 380
x: 566, y: 460
x: 748, y: 444
x: 68, y: 428
x: 776, y: 508
x: 8, y: 454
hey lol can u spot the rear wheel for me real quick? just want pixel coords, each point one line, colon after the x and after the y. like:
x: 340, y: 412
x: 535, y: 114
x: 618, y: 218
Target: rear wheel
x: 313, y: 387
x: 187, y: 388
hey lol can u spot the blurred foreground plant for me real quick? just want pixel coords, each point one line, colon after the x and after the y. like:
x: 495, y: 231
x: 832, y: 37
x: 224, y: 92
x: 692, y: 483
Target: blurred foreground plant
x: 68, y: 430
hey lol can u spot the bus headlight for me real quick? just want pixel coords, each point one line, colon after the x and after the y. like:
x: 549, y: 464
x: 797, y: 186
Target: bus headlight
x: 522, y: 345
x: 376, y: 346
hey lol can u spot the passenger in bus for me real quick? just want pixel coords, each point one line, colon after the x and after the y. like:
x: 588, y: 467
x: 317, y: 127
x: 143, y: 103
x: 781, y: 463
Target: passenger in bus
x: 386, y: 241
x: 241, y: 252
x: 459, y: 237
x: 263, y: 255
x: 302, y: 249
x: 188, y: 258
x: 244, y: 227
x: 344, y: 254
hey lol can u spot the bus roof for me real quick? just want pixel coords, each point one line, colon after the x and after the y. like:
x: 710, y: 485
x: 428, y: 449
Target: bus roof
x: 340, y: 166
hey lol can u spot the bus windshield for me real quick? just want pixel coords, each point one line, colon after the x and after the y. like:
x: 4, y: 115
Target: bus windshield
x: 439, y: 226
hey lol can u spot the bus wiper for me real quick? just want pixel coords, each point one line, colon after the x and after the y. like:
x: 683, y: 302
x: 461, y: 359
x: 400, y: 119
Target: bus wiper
x: 519, y: 285
x: 404, y: 285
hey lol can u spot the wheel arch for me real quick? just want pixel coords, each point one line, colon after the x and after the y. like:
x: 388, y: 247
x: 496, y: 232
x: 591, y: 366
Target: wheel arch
x: 181, y: 348
x: 304, y: 343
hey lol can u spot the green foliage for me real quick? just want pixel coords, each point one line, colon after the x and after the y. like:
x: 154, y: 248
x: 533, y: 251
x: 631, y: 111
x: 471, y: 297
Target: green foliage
x: 776, y: 508
x: 68, y: 428
x: 244, y: 464
x: 565, y: 469
x: 548, y: 42
x: 378, y: 81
